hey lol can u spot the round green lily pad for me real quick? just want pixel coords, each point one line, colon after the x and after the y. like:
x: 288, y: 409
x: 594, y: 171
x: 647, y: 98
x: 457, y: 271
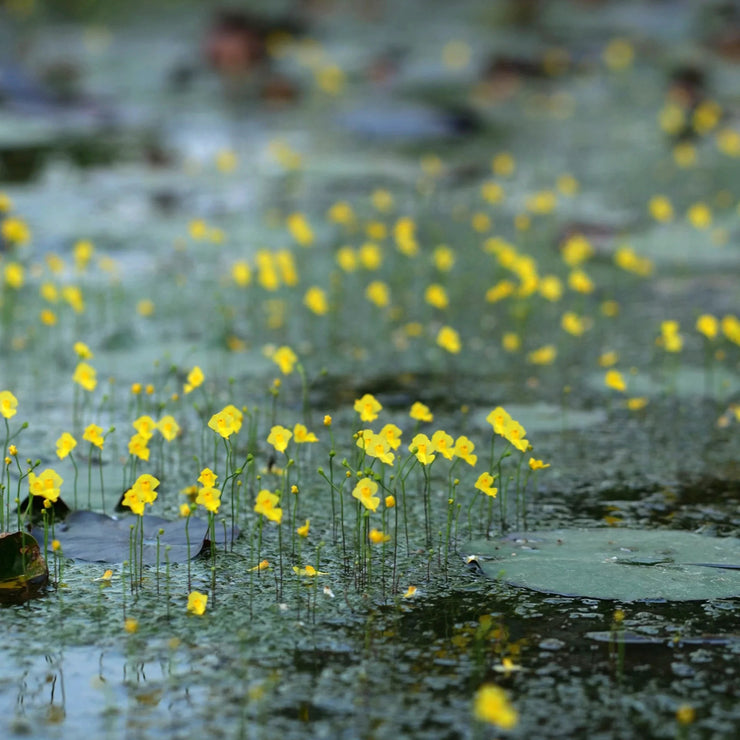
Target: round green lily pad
x: 620, y: 564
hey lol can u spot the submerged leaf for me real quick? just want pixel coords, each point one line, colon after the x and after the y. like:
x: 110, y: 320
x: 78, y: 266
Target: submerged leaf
x: 88, y: 535
x: 620, y: 564
x: 23, y: 572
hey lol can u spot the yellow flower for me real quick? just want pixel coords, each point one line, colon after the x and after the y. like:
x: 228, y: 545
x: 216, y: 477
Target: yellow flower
x: 464, y: 450
x: 607, y: 359
x: 423, y: 448
x: 567, y: 184
x: 209, y: 498
x: 279, y: 437
x: 503, y: 164
x: 194, y: 379
x: 226, y: 422
x: 580, y: 282
x: 65, y: 444
x: 543, y: 356
x: 637, y: 403
x: 368, y: 407
x: 301, y: 435
x: 377, y: 536
x: 197, y: 603
x: 485, y: 484
x: 498, y: 419
x: 502, y: 289
x: 699, y: 216
x: 48, y: 317
x: 14, y: 275
x: 316, y: 301
x: 392, y: 434
x: 84, y: 375
x: 137, y: 446
x: 542, y: 202
x: 130, y: 625
x: 730, y: 326
x: 299, y: 229
x: 15, y: 231
x: 304, y: 530
x: 370, y: 256
x: 185, y: 510
x: 262, y: 565
x: 613, y: 379
x: 226, y: 161
x: 706, y: 116
x: 341, y: 213
x: 141, y: 493
x: 708, y: 325
x: 46, y: 484
x: 207, y: 477
x: 670, y: 338
x: 576, y: 249
x: 390, y: 501
x: 444, y: 258
x: 73, y: 295
x: 347, y: 259
x: 728, y: 142
x: 8, y: 404
x: 573, y: 323
x: 94, y: 434
x: 443, y: 443
x: 410, y: 593
x: 363, y: 437
x: 377, y: 292
x: 327, y: 420
x: 145, y: 307
x: 309, y: 571
x: 660, y: 208
x: 285, y: 359
x: 511, y: 341
x: 145, y: 426
x: 420, y: 412
x: 267, y: 505
x: 492, y: 192
x: 82, y: 351
x: 514, y: 433
x: 685, y: 714
x: 435, y: 295
x: 551, y: 288
x: 241, y: 273
x: 535, y: 464
x: 286, y: 265
x: 618, y: 54
x: 168, y: 427
x: 377, y: 445
x: 449, y: 339
x: 56, y: 545
x: 404, y: 232
x: 491, y: 705
x: 365, y: 491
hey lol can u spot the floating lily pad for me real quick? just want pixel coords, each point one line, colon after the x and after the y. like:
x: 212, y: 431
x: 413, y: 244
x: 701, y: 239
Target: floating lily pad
x: 88, y: 535
x: 546, y: 417
x: 688, y: 382
x: 620, y: 564
x: 23, y: 572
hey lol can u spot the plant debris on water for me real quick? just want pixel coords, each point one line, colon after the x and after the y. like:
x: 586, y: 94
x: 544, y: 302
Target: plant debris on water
x: 369, y: 370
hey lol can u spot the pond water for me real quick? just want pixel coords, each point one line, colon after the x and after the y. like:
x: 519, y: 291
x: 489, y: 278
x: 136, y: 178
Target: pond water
x: 491, y: 127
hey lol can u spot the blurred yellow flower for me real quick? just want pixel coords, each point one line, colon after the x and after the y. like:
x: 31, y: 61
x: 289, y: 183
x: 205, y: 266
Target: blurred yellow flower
x: 197, y: 603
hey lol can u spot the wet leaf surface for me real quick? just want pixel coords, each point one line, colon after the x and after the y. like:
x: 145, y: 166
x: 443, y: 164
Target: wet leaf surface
x: 618, y: 564
x: 95, y: 537
x: 23, y: 572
